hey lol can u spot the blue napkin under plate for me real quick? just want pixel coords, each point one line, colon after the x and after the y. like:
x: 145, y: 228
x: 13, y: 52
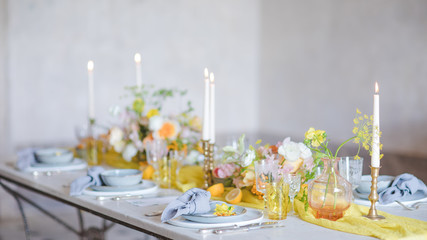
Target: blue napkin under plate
x: 192, y: 201
x: 403, y: 185
x: 26, y: 158
x: 81, y: 183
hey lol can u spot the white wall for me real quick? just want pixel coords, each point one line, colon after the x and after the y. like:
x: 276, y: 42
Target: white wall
x: 319, y: 61
x: 51, y: 42
x: 4, y: 132
x: 281, y: 66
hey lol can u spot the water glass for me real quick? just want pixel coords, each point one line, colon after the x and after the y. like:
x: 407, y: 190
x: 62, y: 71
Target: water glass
x: 156, y: 152
x: 294, y: 181
x: 278, y: 201
x: 265, y: 172
x: 351, y: 170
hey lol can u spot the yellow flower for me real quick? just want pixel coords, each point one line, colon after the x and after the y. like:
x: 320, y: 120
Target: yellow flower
x: 153, y: 112
x: 355, y: 129
x: 358, y: 111
x: 138, y: 105
x: 310, y: 133
x: 317, y: 137
x: 356, y: 121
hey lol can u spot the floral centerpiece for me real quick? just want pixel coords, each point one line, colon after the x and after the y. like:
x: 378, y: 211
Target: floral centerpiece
x: 237, y: 168
x: 144, y: 120
x: 330, y: 194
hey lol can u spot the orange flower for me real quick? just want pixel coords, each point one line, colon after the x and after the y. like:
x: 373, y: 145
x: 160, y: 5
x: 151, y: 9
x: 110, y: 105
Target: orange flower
x: 169, y: 130
x: 273, y: 149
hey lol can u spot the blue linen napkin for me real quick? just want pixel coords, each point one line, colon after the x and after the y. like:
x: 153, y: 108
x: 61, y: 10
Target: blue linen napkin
x: 81, y: 183
x: 403, y: 185
x: 192, y: 201
x: 26, y: 157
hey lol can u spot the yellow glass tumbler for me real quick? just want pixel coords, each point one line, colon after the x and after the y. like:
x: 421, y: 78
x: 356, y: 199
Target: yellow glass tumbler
x: 277, y: 200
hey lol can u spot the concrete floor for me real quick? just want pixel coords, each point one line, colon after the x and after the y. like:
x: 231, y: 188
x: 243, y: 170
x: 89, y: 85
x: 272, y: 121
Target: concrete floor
x: 44, y: 228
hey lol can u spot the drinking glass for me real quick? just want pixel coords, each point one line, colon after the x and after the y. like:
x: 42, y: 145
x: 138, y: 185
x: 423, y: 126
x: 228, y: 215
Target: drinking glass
x: 278, y: 200
x: 156, y: 152
x: 294, y: 181
x: 265, y: 172
x: 351, y: 170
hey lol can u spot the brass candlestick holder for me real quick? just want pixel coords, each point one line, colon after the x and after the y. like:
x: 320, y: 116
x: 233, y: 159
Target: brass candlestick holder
x: 208, y: 149
x: 373, y: 196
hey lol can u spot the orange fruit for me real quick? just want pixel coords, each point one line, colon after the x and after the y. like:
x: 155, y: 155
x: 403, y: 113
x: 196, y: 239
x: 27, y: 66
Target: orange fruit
x: 216, y: 190
x: 234, y: 196
x: 147, y: 173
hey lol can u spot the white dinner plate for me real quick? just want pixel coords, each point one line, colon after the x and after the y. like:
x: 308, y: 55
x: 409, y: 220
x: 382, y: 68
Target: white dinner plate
x: 210, y: 217
x: 362, y: 198
x: 76, y: 164
x: 252, y: 216
x: 104, y: 188
x: 144, y: 188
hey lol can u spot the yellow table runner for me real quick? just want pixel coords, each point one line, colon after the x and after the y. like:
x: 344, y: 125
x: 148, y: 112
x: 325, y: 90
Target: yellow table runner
x: 393, y: 227
x: 192, y: 176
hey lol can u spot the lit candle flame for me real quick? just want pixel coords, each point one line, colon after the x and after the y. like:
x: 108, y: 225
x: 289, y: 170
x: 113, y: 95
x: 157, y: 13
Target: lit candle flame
x: 137, y: 57
x: 377, y: 89
x: 212, y: 78
x: 90, y: 66
x: 206, y: 73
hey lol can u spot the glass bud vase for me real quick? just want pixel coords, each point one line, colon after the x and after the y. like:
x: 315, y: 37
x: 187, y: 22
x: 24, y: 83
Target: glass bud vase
x: 329, y: 195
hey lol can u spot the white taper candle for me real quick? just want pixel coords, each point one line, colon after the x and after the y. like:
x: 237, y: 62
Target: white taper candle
x: 90, y: 66
x: 212, y: 108
x: 206, y: 127
x: 137, y: 59
x: 375, y: 159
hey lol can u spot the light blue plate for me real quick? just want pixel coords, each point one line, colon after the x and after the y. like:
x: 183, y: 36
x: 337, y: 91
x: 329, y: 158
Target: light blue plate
x: 118, y: 188
x: 209, y: 217
x: 75, y: 161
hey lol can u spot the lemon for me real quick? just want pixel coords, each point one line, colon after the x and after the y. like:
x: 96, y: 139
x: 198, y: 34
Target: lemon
x: 234, y: 196
x: 216, y: 190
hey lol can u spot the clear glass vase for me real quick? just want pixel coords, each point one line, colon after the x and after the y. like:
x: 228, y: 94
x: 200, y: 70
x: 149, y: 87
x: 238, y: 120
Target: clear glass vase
x: 329, y: 194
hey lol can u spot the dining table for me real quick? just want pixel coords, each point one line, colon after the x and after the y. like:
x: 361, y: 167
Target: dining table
x: 56, y: 185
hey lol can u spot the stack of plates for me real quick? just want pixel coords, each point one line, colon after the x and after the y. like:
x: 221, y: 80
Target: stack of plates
x: 55, y: 159
x: 209, y: 220
x: 145, y: 187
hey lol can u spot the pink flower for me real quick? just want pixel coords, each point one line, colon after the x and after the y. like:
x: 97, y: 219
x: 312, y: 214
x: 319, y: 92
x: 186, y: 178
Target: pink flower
x: 309, y: 163
x: 287, y: 168
x: 225, y: 170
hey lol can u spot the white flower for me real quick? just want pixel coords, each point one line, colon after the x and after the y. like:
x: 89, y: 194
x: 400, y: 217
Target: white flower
x: 305, y: 151
x: 248, y: 158
x: 129, y: 152
x: 119, y: 146
x: 116, y: 135
x: 290, y: 151
x: 156, y: 122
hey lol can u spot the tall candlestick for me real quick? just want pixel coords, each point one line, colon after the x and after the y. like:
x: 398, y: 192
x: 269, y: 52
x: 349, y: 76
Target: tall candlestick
x: 375, y: 159
x: 91, y: 97
x: 206, y: 127
x: 137, y: 59
x: 212, y: 109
